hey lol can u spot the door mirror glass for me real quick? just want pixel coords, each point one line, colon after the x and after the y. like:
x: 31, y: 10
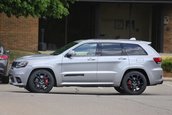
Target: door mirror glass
x: 70, y: 54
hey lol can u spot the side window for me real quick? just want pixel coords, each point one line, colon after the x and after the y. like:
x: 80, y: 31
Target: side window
x: 134, y: 49
x: 88, y: 49
x: 111, y: 49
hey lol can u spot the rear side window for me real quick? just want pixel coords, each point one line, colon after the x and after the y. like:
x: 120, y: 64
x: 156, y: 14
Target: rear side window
x: 134, y: 49
x: 111, y: 49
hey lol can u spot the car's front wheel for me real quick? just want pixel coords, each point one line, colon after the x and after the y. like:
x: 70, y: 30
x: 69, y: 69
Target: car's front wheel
x: 134, y: 83
x: 40, y: 81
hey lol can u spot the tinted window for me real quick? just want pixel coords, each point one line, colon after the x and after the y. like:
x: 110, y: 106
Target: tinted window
x: 134, y: 49
x: 111, y: 49
x: 86, y: 50
x: 64, y: 48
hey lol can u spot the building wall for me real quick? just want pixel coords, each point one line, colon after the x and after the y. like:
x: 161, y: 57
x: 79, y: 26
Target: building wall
x: 124, y: 20
x: 19, y: 33
x: 167, y: 29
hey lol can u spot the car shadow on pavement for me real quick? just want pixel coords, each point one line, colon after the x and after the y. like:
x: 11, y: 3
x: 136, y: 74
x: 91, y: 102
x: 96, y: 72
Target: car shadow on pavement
x: 99, y: 94
x: 87, y: 93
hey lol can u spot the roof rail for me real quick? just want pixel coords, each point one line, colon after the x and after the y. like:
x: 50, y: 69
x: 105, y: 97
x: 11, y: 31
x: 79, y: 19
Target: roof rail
x: 132, y: 38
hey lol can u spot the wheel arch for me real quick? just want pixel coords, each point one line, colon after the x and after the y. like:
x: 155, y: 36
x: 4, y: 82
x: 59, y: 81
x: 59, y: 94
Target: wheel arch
x: 139, y: 70
x: 48, y: 69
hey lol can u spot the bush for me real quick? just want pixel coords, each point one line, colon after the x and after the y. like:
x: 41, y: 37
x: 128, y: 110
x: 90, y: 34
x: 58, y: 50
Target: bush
x: 167, y: 64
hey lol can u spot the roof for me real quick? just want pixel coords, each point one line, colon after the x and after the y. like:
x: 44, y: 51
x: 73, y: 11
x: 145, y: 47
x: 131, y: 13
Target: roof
x: 115, y: 40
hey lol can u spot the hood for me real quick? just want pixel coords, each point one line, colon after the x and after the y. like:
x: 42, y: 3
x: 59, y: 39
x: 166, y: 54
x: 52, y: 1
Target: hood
x: 36, y: 56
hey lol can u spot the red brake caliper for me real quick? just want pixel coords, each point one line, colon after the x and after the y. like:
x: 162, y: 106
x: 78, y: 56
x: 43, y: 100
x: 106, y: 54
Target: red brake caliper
x: 46, y: 81
x: 129, y: 84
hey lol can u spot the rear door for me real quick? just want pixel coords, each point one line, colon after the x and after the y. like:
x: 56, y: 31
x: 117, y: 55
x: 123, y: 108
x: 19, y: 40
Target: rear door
x: 111, y: 62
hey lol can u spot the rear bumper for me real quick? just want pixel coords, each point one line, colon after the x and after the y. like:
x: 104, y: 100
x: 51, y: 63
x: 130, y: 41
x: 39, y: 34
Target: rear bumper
x: 154, y: 71
x: 3, y: 67
x: 159, y: 82
x: 156, y: 76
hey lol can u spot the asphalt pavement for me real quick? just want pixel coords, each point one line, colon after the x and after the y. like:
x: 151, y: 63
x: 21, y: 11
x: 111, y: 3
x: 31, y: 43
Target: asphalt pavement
x: 156, y: 100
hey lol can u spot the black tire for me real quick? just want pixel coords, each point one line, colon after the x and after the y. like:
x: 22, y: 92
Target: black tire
x: 134, y: 83
x: 120, y: 90
x: 28, y: 88
x: 40, y: 81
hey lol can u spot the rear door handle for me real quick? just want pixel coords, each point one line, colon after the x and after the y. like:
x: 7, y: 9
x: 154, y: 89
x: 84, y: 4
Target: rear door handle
x: 121, y: 58
x: 91, y: 59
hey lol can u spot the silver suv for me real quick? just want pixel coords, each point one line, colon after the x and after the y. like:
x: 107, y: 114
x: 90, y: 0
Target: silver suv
x: 127, y: 65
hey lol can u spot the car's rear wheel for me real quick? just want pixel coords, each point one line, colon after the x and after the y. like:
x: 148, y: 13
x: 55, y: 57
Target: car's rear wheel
x: 40, y: 81
x: 120, y: 90
x: 134, y: 83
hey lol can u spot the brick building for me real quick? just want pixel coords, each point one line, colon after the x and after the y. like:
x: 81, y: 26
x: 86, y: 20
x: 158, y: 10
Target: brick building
x: 149, y: 20
x: 19, y: 33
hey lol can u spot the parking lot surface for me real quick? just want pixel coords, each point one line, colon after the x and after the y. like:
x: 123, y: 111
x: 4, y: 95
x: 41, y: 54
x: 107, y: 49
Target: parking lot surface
x: 156, y: 100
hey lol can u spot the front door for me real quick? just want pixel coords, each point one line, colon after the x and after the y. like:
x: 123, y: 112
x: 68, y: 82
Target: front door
x: 81, y: 66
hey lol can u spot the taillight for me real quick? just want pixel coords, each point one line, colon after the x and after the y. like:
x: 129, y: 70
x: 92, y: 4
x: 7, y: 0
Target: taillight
x: 3, y: 57
x: 157, y: 60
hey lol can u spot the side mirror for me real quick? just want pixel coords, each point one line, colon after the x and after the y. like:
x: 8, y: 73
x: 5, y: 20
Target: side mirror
x: 70, y: 54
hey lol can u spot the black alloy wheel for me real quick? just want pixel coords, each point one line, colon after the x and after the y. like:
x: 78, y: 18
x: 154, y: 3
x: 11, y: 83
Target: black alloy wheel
x: 134, y: 83
x: 40, y: 81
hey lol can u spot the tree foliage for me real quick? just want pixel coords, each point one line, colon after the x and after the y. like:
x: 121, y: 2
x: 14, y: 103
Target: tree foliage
x: 35, y: 8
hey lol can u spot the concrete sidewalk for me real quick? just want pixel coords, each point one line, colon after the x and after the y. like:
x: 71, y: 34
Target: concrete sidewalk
x: 167, y: 78
x: 166, y: 54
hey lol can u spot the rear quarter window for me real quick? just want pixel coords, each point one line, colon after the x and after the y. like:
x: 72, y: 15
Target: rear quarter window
x: 134, y: 49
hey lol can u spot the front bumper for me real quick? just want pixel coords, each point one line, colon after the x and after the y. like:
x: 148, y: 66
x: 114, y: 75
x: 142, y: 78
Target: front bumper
x: 19, y: 76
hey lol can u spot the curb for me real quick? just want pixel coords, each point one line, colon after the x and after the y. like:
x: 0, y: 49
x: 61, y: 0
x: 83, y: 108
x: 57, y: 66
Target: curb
x: 167, y: 78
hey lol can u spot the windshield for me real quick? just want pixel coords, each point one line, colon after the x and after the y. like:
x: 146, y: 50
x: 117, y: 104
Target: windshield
x: 64, y: 48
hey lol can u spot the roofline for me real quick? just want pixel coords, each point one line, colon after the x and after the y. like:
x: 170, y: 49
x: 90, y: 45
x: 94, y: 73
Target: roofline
x: 114, y: 40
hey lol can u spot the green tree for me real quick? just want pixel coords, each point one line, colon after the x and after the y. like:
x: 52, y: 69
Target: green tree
x: 35, y: 8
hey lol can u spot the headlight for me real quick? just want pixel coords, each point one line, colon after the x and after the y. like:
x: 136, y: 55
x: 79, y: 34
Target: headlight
x: 21, y: 64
